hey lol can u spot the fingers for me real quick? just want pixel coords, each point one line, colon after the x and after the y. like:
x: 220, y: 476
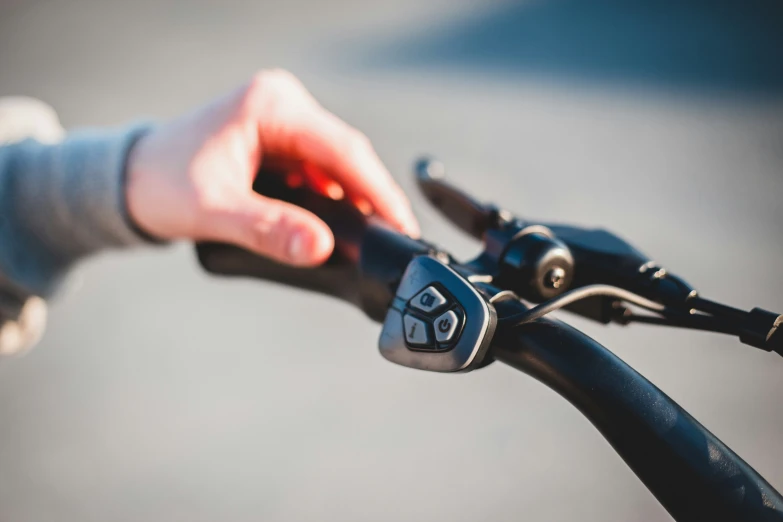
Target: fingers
x: 348, y: 155
x: 292, y: 124
x: 275, y: 229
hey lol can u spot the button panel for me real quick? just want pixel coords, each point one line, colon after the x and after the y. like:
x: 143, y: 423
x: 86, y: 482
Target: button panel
x: 432, y: 310
x: 475, y: 318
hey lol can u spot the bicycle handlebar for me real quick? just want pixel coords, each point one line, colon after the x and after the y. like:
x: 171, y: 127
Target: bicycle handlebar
x: 692, y: 473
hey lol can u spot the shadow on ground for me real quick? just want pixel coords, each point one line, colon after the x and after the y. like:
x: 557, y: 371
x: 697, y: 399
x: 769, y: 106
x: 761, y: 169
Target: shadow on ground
x: 719, y: 46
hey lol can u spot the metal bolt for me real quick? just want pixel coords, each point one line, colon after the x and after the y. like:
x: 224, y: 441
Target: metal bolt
x: 555, y: 277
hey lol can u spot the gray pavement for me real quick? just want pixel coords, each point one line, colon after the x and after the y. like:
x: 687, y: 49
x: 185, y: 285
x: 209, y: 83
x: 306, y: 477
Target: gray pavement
x: 160, y: 393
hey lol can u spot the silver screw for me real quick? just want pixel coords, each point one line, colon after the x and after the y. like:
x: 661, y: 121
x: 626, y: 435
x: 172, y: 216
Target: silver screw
x: 555, y: 277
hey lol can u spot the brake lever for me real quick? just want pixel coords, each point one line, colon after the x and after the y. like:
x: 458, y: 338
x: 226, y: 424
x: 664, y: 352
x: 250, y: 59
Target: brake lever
x: 465, y: 212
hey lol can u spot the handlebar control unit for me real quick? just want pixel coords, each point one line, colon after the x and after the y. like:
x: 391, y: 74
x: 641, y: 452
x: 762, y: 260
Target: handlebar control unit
x: 437, y: 321
x: 442, y: 314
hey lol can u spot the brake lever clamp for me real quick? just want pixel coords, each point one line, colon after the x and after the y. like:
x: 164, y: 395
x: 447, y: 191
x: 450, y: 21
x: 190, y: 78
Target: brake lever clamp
x: 438, y: 321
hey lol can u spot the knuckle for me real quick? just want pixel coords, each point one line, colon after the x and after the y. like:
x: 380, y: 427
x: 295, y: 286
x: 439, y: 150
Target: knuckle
x: 212, y: 198
x: 267, y: 228
x: 361, y: 140
x: 282, y: 76
x: 357, y: 144
x: 274, y: 92
x: 273, y: 81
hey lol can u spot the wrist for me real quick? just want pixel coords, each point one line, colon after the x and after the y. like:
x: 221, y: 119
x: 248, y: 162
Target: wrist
x: 132, y: 206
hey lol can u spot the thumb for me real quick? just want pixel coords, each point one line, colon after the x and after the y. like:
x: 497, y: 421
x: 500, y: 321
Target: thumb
x: 275, y: 229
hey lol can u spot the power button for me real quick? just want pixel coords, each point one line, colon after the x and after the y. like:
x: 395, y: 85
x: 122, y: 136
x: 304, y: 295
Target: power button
x: 446, y: 326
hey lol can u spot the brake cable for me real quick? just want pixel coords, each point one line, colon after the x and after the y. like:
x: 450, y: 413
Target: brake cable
x: 700, y: 314
x: 578, y: 294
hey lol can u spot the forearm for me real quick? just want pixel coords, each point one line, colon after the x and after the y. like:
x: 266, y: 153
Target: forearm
x: 59, y: 203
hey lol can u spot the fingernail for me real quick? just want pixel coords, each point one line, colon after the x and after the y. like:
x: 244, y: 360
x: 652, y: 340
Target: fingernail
x: 309, y: 247
x: 298, y: 247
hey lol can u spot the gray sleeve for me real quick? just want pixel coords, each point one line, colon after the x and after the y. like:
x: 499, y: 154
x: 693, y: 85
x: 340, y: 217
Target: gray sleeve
x: 61, y: 202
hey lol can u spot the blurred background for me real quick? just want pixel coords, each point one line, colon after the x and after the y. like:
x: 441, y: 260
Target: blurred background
x: 160, y: 393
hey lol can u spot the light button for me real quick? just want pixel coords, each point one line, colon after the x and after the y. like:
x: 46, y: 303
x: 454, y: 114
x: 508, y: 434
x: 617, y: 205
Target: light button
x: 428, y: 300
x: 446, y: 326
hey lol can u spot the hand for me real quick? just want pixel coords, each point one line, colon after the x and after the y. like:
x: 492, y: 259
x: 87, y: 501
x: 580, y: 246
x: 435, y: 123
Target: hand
x: 192, y: 178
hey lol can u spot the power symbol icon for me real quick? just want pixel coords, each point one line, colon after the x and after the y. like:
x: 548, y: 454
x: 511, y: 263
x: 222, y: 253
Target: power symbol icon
x: 444, y: 325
